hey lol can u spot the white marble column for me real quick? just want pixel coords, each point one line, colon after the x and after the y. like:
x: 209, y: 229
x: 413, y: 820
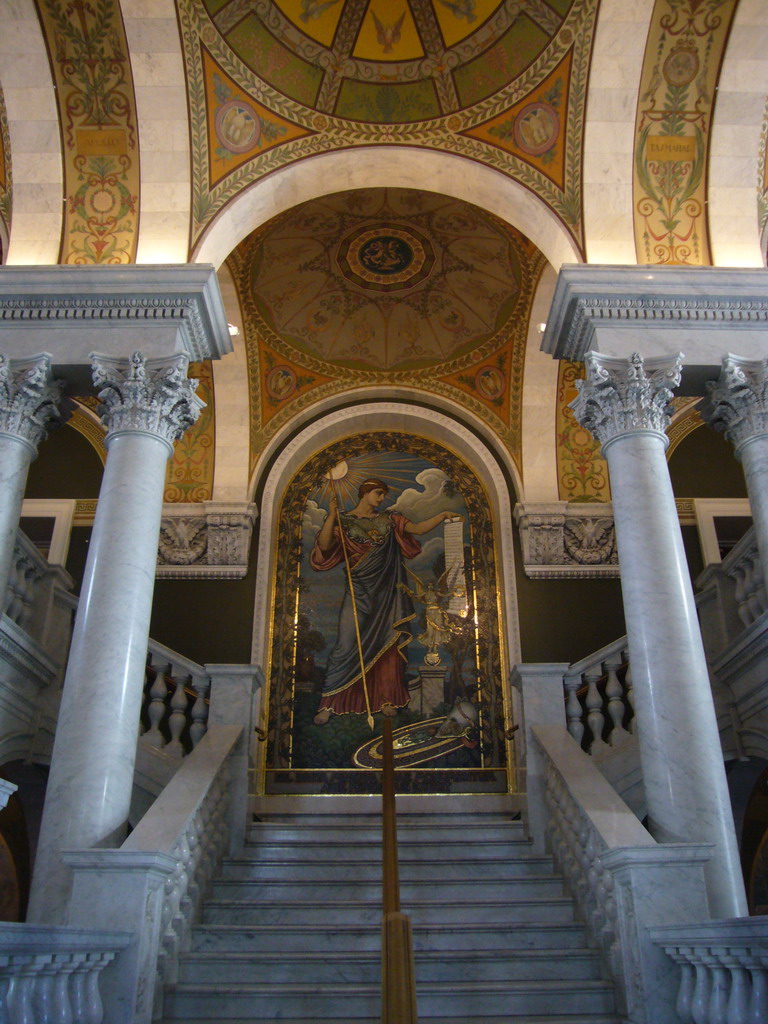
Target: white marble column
x: 738, y: 405
x: 147, y: 404
x: 28, y: 404
x: 624, y: 404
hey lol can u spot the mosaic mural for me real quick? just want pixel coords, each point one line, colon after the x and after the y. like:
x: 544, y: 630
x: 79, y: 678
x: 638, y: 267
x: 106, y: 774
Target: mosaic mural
x: 6, y: 180
x: 503, y: 83
x: 386, y: 286
x: 385, y: 605
x: 686, y: 41
x: 88, y: 52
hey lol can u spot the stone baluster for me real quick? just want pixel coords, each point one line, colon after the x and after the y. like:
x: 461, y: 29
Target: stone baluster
x: 178, y: 718
x: 758, y: 1002
x: 624, y: 403
x: 616, y: 709
x: 28, y: 405
x: 595, y: 716
x: 573, y: 708
x: 737, y: 403
x: 156, y: 710
x: 147, y: 405
x: 199, y: 713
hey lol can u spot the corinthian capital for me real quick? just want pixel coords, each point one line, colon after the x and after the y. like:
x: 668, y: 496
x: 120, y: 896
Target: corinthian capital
x: 620, y: 396
x: 148, y: 395
x: 738, y: 400
x: 29, y: 397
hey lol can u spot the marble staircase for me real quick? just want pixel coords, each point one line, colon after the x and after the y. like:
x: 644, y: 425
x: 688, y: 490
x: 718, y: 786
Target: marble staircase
x: 291, y: 931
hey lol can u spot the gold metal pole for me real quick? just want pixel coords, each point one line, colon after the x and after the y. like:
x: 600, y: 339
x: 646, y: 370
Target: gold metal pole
x: 398, y: 982
x: 354, y: 604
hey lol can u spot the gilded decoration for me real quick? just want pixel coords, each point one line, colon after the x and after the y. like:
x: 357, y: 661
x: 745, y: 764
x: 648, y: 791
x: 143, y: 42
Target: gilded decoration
x: 272, y: 82
x: 393, y: 614
x: 582, y: 473
x: 386, y: 287
x: 189, y: 477
x: 88, y: 52
x: 682, y: 62
x: 6, y: 181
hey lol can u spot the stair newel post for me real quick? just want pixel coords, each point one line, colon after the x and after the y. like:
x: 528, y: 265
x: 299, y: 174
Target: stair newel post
x: 398, y: 987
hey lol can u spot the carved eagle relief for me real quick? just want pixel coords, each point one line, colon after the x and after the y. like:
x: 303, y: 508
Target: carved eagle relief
x: 589, y: 541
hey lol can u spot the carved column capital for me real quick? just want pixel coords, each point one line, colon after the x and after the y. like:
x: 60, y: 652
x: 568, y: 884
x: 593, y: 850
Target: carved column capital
x: 737, y: 402
x: 152, y: 396
x: 29, y: 397
x: 622, y: 396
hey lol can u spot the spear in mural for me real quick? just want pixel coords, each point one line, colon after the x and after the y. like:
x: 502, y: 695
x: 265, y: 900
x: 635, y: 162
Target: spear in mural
x: 338, y: 472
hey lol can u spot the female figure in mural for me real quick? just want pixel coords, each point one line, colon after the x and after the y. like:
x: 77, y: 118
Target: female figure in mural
x: 376, y: 544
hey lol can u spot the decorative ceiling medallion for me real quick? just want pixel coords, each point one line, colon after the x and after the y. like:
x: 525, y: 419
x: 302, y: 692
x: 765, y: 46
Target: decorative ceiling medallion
x: 237, y: 126
x: 537, y: 127
x: 388, y: 257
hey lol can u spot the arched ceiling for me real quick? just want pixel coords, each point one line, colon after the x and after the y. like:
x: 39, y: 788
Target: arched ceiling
x: 502, y: 82
x: 386, y: 286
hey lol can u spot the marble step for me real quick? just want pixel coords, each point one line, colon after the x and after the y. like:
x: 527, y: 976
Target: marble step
x: 370, y: 831
x: 453, y: 1001
x: 336, y: 939
x: 327, y: 891
x: 365, y: 968
x: 369, y: 868
x: 348, y: 851
x: 454, y: 911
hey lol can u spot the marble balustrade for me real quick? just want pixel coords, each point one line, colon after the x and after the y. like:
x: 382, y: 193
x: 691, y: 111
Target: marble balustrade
x: 622, y: 880
x: 163, y: 871
x: 53, y: 973
x: 723, y: 970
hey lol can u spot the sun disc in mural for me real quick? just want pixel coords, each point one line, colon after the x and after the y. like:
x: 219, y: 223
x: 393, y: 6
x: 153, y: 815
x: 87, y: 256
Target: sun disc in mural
x: 385, y: 607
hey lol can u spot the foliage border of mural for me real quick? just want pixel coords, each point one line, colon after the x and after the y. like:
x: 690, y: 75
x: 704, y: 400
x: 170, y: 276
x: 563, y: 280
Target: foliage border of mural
x: 284, y: 603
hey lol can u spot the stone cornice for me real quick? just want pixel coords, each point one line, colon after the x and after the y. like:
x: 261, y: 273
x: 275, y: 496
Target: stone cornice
x: 178, y: 308
x: 645, y: 299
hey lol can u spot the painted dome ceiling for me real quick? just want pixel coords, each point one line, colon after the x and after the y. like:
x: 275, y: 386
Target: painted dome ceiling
x: 387, y: 279
x: 386, y: 286
x: 388, y: 60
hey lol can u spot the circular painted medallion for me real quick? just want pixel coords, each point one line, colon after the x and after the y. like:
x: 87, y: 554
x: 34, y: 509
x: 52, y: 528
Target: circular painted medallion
x: 386, y: 257
x: 681, y: 66
x: 490, y: 382
x: 237, y: 126
x: 536, y: 128
x: 281, y: 383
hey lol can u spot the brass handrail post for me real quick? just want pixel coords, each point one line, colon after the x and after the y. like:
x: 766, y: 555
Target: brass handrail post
x: 398, y: 983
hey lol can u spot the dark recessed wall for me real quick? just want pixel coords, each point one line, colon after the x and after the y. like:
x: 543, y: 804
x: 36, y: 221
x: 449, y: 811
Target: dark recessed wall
x: 67, y: 466
x: 703, y: 466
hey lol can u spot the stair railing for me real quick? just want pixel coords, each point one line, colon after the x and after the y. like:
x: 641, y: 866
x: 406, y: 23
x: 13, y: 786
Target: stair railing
x: 398, y: 986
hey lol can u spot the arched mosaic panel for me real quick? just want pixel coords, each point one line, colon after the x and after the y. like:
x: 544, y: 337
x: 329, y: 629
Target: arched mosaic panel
x: 424, y: 602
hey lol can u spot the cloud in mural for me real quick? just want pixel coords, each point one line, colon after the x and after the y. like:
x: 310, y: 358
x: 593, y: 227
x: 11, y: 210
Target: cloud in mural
x: 417, y: 505
x: 314, y: 516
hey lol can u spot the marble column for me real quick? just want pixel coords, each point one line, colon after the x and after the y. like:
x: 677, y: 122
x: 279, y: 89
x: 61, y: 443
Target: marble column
x: 738, y: 405
x: 28, y: 404
x: 147, y: 404
x: 624, y: 403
